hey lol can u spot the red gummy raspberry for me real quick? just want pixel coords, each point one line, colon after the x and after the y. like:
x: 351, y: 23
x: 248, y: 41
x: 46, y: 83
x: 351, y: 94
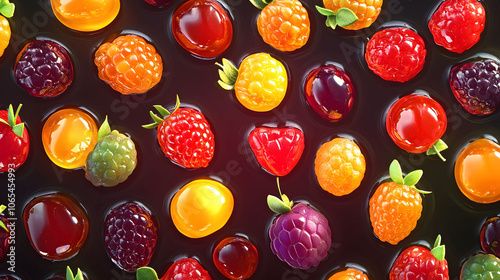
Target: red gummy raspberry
x: 457, y: 24
x: 396, y: 54
x: 186, y: 269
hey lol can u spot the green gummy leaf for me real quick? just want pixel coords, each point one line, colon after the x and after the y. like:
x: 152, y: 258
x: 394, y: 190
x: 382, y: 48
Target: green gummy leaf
x: 104, y: 130
x: 79, y: 275
x: 18, y: 129
x: 412, y: 178
x: 325, y: 11
x: 146, y: 273
x: 277, y: 205
x: 2, y: 225
x: 437, y: 243
x: 7, y: 8
x: 5, y: 122
x: 11, y: 117
x: 396, y: 173
x: 346, y: 17
x: 438, y: 250
x: 155, y: 118
x: 437, y: 148
x: 223, y: 77
x: 163, y: 112
x: 259, y: 4
x: 69, y: 274
x: 150, y: 126
x: 225, y: 86
x: 331, y: 22
x: 2, y: 208
x: 228, y: 75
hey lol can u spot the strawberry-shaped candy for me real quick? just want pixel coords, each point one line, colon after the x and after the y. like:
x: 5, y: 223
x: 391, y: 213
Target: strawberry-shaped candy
x: 350, y: 14
x: 183, y: 269
x: 260, y: 83
x: 457, y: 24
x: 43, y: 68
x: 396, y: 54
x: 277, y: 149
x: 7, y: 11
x: 416, y: 123
x: 4, y: 233
x: 184, y: 136
x: 113, y: 158
x: 481, y: 267
x: 417, y: 262
x: 300, y: 236
x: 396, y: 206
x: 283, y: 24
x: 130, y: 234
x: 14, y: 140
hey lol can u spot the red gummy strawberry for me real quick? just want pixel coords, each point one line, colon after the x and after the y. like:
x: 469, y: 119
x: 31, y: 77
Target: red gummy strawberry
x: 14, y: 140
x: 418, y: 262
x: 183, y: 269
x: 277, y: 149
x: 457, y: 24
x: 184, y: 136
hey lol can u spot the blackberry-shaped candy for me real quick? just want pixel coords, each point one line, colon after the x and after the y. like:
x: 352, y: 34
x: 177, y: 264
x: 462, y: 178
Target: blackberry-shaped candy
x: 130, y: 235
x: 43, y: 68
x: 476, y: 85
x: 112, y: 160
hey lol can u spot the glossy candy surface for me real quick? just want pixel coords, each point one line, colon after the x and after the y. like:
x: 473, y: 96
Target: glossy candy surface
x: 201, y: 207
x: 56, y: 226
x: 68, y: 136
x: 15, y: 149
x: 236, y: 258
x: 330, y: 92
x: 85, y: 15
x: 349, y: 274
x: 476, y: 171
x: 490, y: 236
x: 202, y: 27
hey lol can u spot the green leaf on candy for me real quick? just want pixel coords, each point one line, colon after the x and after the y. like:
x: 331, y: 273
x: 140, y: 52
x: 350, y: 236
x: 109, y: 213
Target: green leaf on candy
x: 325, y: 11
x: 163, y: 112
x: 18, y: 129
x: 438, y: 250
x: 437, y: 148
x: 2, y: 225
x: 7, y: 8
x: 12, y: 116
x: 104, y: 130
x: 146, y: 273
x: 70, y: 276
x: 346, y: 17
x: 396, y: 173
x: 228, y: 74
x: 155, y: 118
x: 412, y: 178
x: 260, y: 4
x: 277, y: 205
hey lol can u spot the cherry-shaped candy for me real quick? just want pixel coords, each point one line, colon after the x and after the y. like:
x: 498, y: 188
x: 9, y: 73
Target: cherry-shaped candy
x: 236, y: 258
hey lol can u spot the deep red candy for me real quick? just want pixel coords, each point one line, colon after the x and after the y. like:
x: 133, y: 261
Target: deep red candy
x: 418, y: 263
x: 490, y: 236
x: 236, y: 258
x: 186, y: 269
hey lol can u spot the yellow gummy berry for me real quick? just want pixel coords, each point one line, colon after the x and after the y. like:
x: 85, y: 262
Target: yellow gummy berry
x: 85, y: 15
x: 4, y: 34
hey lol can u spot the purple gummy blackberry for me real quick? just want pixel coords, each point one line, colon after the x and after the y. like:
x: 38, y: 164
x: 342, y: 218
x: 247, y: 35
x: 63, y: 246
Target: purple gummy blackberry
x: 43, y: 69
x: 476, y: 85
x: 490, y: 236
x: 4, y: 237
x: 301, y: 237
x: 130, y: 235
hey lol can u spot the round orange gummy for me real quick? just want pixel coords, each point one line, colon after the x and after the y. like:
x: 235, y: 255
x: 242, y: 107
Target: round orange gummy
x: 476, y: 171
x: 349, y: 274
x: 129, y: 64
x: 340, y: 166
x: 4, y: 34
x: 367, y: 11
x: 284, y: 24
x: 85, y: 15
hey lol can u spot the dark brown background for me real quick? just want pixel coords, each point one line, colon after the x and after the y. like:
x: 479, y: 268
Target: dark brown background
x: 155, y: 179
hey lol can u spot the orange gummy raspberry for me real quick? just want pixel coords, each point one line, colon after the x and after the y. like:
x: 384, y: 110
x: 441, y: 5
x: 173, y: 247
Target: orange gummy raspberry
x: 367, y: 11
x: 394, y: 211
x: 349, y: 274
x: 284, y: 24
x: 4, y: 34
x: 340, y: 166
x: 129, y: 64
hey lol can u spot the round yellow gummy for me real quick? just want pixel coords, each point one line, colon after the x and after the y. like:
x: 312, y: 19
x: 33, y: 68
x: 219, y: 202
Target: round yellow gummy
x: 85, y: 15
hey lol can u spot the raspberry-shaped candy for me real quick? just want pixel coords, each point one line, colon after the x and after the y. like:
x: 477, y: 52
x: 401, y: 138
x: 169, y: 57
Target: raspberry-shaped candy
x: 396, y: 206
x: 283, y: 24
x: 130, y: 234
x: 300, y: 236
x: 183, y: 269
x: 43, y: 68
x: 260, y: 83
x: 129, y: 64
x: 417, y: 262
x: 457, y: 24
x: 396, y: 54
x: 339, y: 166
x: 476, y: 85
x: 4, y: 233
x: 184, y: 136
x: 7, y: 11
x: 481, y: 267
x: 350, y: 14
x: 112, y: 160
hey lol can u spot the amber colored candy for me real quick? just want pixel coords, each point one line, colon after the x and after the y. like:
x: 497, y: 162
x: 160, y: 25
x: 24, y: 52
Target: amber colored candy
x: 349, y: 274
x: 129, y: 64
x: 4, y: 34
x: 56, y: 226
x: 284, y: 24
x: 367, y: 11
x: 85, y: 15
x: 236, y: 258
x: 476, y: 171
x: 339, y: 166
x: 68, y: 136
